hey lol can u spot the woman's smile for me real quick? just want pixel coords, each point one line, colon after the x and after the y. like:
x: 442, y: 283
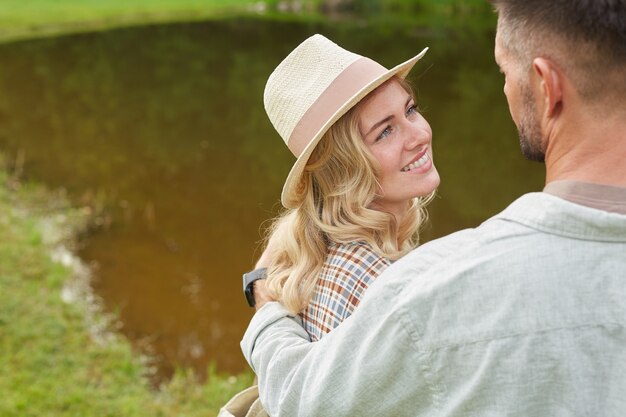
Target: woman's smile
x: 420, y: 161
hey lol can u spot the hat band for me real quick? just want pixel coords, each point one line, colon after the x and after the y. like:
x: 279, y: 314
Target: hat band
x: 340, y: 91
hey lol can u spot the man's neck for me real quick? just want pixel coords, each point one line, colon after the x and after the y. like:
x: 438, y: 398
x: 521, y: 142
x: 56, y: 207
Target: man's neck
x: 595, y: 153
x: 607, y: 170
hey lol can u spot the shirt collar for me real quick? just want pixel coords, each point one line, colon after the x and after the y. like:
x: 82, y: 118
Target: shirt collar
x: 599, y: 196
x: 554, y: 215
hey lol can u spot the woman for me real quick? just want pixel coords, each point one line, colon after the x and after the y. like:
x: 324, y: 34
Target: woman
x: 363, y: 174
x: 355, y: 196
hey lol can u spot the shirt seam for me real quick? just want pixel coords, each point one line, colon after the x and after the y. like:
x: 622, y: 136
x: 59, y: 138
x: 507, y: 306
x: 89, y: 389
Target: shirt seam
x: 437, y: 391
x: 551, y: 231
x: 527, y: 333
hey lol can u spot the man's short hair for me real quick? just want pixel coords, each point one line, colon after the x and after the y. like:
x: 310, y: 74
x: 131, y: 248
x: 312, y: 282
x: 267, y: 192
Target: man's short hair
x: 586, y: 38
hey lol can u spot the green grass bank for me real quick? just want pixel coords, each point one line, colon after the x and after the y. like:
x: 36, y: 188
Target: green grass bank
x: 21, y: 19
x: 57, y: 355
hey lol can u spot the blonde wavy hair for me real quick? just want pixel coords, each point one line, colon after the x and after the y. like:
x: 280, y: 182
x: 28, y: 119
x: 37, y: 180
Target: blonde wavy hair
x: 335, y: 199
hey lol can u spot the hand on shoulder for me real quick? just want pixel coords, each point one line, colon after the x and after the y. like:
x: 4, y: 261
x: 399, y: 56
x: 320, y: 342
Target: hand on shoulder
x: 261, y: 294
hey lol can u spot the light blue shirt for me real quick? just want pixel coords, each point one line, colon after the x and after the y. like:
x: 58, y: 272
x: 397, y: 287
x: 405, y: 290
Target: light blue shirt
x: 523, y: 316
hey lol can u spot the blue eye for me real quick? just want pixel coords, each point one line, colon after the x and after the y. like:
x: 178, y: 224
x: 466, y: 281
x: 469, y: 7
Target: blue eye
x: 412, y: 109
x: 386, y: 132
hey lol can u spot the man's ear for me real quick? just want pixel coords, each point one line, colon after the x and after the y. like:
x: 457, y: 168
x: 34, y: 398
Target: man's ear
x: 550, y: 85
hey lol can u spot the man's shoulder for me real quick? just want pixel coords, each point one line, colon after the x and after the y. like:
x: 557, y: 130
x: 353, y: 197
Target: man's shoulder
x: 516, y: 273
x: 466, y: 248
x: 533, y: 218
x: 536, y: 236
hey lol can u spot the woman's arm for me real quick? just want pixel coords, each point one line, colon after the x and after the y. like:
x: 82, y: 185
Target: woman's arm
x: 366, y: 366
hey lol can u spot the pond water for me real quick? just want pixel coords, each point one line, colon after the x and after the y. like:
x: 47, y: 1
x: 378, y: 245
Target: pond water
x: 162, y: 130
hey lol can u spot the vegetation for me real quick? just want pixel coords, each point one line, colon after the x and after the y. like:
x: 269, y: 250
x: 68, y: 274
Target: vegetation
x: 56, y: 356
x: 21, y: 19
x: 34, y: 18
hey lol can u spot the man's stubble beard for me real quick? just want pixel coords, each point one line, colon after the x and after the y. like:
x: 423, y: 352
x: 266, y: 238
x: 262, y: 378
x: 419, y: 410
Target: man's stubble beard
x: 530, y: 139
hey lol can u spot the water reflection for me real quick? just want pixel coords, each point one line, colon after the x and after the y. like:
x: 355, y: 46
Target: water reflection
x: 163, y: 128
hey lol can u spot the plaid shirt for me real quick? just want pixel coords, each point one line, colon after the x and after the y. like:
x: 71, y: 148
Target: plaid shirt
x: 347, y: 272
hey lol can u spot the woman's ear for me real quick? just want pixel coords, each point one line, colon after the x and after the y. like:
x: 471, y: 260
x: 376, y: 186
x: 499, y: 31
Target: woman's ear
x: 550, y: 87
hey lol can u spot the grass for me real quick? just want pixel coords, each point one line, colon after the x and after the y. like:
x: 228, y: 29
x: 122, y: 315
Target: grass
x: 56, y: 357
x: 25, y: 19
x: 20, y: 19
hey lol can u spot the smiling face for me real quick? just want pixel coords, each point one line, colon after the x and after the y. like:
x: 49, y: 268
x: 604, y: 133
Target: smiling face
x: 400, y: 139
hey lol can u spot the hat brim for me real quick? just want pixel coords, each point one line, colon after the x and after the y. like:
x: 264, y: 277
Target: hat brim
x: 293, y: 178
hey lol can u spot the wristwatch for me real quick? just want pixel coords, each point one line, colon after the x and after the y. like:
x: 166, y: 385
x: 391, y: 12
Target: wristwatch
x: 248, y: 280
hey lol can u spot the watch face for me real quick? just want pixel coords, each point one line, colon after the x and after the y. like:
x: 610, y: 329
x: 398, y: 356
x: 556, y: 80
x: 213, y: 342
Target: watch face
x: 249, y: 293
x: 248, y: 281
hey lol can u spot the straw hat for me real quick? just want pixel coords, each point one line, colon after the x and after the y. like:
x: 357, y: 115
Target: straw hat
x: 316, y: 84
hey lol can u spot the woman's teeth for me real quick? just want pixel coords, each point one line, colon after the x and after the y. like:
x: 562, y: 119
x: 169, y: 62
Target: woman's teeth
x: 416, y: 164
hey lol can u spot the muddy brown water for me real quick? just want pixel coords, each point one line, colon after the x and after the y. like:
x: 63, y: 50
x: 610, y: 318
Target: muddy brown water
x: 162, y: 129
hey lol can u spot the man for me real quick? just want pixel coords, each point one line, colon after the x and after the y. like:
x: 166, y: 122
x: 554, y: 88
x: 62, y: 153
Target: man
x: 524, y: 315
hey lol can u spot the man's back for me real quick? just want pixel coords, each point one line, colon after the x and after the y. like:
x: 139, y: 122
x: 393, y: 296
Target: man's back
x: 524, y: 315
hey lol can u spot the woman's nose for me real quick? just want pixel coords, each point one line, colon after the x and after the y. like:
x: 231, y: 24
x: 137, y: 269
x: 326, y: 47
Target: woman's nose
x: 415, y: 136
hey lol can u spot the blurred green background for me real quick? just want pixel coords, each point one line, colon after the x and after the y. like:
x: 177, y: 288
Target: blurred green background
x: 27, y: 19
